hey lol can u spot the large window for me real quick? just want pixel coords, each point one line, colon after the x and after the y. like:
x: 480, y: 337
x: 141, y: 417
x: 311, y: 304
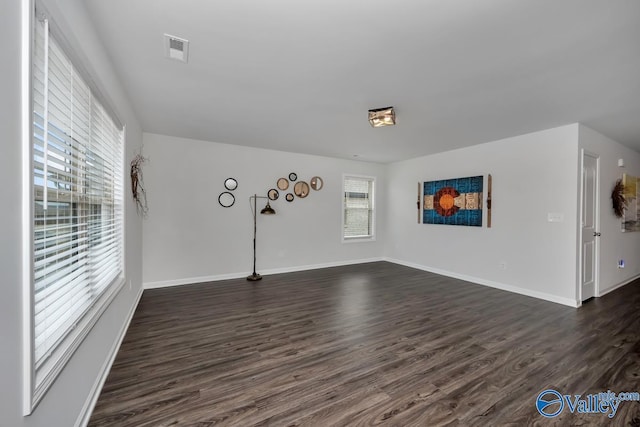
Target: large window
x: 77, y: 210
x: 358, y: 208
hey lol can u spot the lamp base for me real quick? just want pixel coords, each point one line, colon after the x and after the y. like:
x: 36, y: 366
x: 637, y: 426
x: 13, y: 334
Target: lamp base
x: 254, y: 277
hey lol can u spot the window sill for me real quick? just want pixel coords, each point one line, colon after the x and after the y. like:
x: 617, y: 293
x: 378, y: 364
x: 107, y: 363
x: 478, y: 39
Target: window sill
x: 359, y: 239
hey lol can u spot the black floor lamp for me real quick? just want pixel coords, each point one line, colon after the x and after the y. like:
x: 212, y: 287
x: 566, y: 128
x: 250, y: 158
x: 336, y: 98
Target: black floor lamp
x: 268, y: 210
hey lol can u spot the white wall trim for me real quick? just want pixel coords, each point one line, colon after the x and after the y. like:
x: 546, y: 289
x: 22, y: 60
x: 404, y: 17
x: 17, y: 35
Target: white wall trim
x: 540, y: 295
x: 92, y: 398
x: 618, y: 286
x: 28, y: 371
x: 215, y: 278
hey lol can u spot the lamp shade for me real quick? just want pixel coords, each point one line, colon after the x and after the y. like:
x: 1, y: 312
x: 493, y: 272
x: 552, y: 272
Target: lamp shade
x: 268, y: 210
x: 380, y: 117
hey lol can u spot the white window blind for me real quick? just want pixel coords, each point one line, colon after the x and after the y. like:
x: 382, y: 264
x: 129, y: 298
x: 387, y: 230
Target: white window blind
x: 358, y: 207
x: 78, y: 207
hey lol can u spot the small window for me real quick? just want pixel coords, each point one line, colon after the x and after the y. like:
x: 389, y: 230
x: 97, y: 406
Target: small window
x: 358, y: 208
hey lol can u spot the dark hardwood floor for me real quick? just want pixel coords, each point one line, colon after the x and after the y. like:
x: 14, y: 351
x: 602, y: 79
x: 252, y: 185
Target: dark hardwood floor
x: 370, y: 344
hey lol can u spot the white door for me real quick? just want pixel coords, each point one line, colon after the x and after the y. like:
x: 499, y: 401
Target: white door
x: 590, y: 233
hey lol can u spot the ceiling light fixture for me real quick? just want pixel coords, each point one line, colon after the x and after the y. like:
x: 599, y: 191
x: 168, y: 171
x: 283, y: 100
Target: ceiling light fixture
x: 382, y: 117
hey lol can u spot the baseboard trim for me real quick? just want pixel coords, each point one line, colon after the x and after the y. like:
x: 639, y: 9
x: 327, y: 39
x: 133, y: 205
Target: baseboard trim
x: 219, y: 277
x: 214, y: 278
x: 540, y: 295
x: 192, y: 280
x: 92, y: 399
x: 619, y: 285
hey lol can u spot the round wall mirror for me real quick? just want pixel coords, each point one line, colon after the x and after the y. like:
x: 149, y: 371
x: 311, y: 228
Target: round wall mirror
x: 289, y: 197
x: 317, y: 183
x: 273, y: 194
x: 301, y: 189
x: 293, y: 176
x: 283, y: 184
x: 230, y: 184
x: 226, y: 199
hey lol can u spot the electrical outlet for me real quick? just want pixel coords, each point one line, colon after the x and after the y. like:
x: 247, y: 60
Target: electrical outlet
x: 621, y: 263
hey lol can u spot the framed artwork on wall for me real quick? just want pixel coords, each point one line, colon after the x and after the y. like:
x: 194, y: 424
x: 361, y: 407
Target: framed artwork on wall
x: 631, y: 215
x: 455, y: 201
x: 419, y: 204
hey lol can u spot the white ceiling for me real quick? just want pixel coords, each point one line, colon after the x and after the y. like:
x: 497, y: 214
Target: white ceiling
x: 300, y: 75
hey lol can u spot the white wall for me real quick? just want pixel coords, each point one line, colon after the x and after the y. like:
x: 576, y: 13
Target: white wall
x: 533, y: 175
x: 614, y: 244
x: 189, y: 237
x: 64, y: 402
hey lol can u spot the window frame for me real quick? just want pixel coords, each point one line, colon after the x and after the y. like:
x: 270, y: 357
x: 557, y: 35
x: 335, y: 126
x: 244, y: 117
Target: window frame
x: 38, y: 382
x: 363, y: 238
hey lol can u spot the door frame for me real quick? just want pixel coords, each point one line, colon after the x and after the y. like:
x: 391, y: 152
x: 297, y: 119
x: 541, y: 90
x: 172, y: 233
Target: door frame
x: 596, y: 274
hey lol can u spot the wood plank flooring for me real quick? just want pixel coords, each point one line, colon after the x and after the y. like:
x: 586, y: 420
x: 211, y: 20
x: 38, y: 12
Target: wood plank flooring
x: 370, y: 344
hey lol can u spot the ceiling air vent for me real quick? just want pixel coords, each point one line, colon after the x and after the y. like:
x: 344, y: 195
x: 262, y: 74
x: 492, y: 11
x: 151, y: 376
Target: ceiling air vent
x: 176, y: 48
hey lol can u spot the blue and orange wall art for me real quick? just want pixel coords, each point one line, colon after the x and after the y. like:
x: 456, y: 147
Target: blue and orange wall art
x: 453, y: 201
